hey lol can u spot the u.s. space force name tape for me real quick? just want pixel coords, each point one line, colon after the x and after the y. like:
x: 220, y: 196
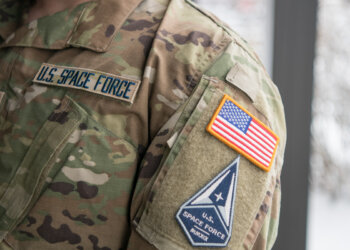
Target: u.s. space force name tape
x: 93, y: 81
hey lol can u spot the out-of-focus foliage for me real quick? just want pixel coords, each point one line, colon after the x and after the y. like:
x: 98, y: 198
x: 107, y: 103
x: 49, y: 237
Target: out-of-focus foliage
x: 330, y: 159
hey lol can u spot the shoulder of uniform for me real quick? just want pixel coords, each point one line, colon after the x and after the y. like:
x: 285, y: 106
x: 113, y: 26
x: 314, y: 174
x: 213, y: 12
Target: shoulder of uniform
x: 240, y: 66
x: 208, y: 18
x: 204, y: 12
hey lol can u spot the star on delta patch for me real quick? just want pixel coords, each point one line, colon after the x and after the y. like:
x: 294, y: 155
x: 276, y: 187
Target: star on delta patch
x: 241, y: 131
x: 207, y: 217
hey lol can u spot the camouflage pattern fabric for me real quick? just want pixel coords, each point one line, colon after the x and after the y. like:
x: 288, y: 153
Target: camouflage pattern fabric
x: 79, y: 170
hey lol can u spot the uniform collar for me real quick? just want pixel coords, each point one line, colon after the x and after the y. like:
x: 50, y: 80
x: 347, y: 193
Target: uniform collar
x: 90, y: 25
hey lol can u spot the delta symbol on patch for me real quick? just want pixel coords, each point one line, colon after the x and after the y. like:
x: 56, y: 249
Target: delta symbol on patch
x: 207, y: 217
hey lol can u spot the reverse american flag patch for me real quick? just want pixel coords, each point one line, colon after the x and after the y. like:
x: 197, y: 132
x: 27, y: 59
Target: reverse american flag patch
x: 241, y: 131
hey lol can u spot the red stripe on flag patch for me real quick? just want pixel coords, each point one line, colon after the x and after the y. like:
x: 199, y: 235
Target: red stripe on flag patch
x: 241, y: 131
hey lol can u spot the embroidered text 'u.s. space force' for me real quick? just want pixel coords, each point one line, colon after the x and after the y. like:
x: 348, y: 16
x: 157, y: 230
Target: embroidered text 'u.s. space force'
x: 92, y: 81
x: 207, y: 217
x: 240, y: 130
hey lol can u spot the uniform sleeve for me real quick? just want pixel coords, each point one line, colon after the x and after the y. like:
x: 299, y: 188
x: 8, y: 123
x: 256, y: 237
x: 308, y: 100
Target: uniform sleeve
x: 198, y: 197
x: 268, y: 233
x: 264, y: 230
x: 263, y: 235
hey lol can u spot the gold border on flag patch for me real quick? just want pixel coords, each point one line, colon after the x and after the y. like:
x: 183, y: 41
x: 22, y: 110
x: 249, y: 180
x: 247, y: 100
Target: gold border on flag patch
x: 117, y: 87
x: 243, y: 132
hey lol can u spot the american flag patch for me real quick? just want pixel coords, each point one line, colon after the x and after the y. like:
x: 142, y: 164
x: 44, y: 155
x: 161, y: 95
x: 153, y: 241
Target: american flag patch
x: 241, y: 131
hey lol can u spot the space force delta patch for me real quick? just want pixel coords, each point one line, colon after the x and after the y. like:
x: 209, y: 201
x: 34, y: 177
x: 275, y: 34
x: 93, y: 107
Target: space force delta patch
x: 207, y: 217
x: 241, y: 131
x: 92, y: 81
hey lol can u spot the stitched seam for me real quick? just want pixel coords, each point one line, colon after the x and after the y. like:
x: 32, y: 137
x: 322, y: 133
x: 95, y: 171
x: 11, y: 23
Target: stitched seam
x: 223, y: 28
x: 205, y: 14
x: 75, y: 27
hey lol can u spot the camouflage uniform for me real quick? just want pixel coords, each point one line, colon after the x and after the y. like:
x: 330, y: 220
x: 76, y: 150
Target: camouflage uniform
x: 79, y: 170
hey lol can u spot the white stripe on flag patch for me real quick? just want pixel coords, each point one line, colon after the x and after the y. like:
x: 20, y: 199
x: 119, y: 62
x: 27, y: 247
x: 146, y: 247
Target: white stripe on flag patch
x: 252, y: 141
x: 230, y: 136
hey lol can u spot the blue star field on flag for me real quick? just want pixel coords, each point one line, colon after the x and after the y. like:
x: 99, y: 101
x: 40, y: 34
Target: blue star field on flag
x: 235, y: 116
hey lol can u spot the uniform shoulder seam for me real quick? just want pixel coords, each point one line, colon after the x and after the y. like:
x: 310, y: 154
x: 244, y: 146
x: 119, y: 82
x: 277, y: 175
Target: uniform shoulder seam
x: 196, y: 7
x: 226, y: 30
